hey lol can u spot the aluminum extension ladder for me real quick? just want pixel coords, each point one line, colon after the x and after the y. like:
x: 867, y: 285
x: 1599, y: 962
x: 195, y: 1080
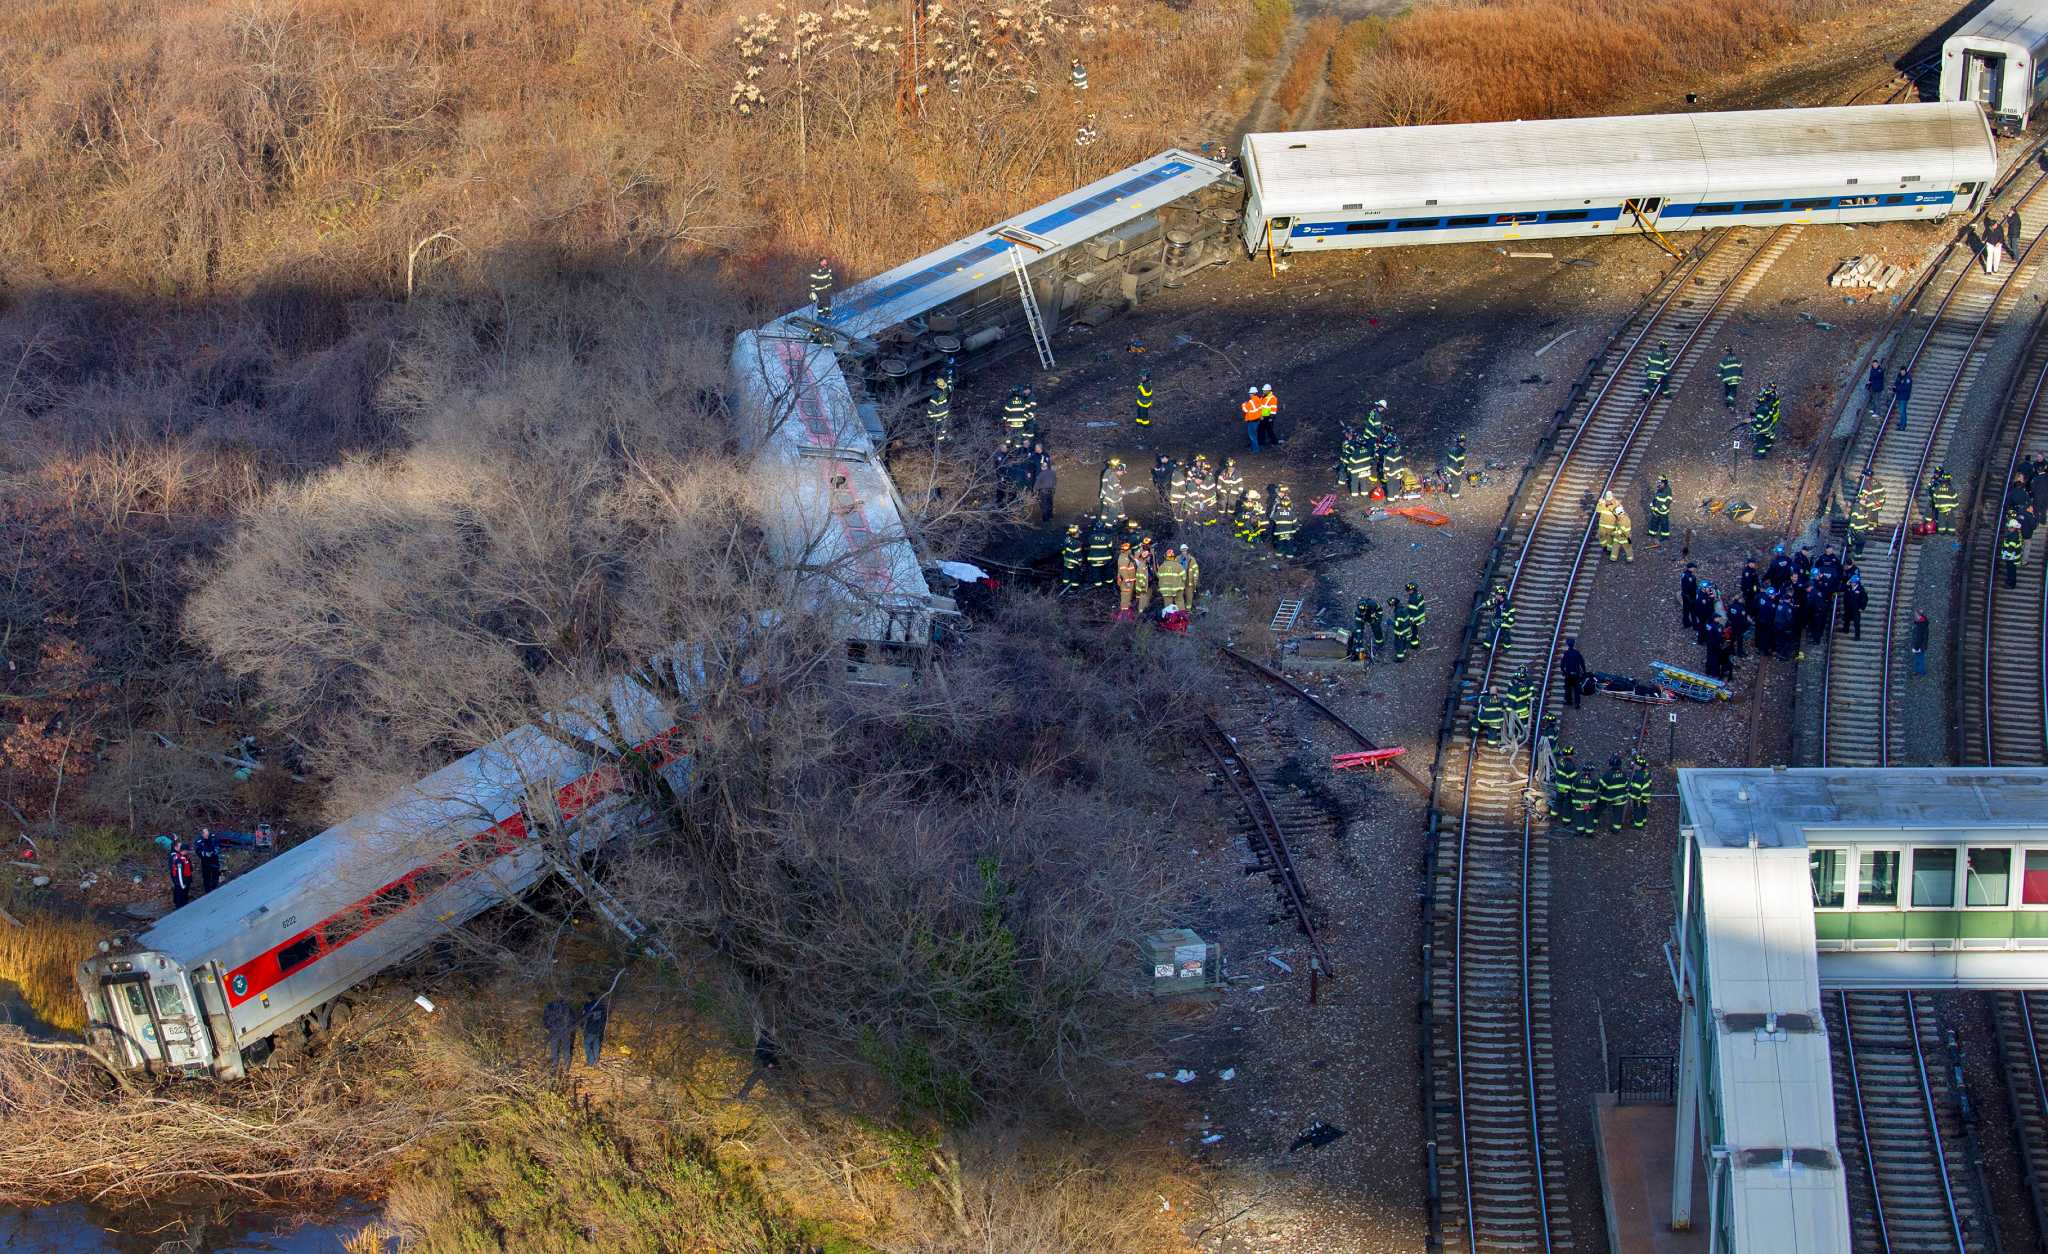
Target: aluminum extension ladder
x: 1029, y: 300
x: 612, y: 910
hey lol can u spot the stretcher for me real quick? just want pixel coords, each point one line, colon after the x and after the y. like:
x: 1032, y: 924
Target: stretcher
x: 1691, y: 683
x: 1374, y: 758
x: 1420, y: 513
x: 1629, y: 688
x: 1324, y: 504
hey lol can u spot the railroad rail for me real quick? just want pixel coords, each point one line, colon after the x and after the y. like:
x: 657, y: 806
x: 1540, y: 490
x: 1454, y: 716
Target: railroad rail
x: 1899, y: 1126
x: 1857, y: 727
x: 1279, y: 680
x: 2022, y: 1023
x: 1499, y: 1172
x: 1266, y: 835
x: 2003, y: 683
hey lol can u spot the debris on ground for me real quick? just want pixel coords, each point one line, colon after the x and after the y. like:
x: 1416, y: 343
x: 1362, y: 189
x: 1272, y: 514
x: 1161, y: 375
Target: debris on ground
x: 1868, y: 271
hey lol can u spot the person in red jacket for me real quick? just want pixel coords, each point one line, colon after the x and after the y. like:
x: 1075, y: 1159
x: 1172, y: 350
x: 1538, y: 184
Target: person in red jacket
x: 181, y: 874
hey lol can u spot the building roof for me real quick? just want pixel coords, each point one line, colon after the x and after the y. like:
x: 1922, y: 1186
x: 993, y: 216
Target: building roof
x: 1700, y: 154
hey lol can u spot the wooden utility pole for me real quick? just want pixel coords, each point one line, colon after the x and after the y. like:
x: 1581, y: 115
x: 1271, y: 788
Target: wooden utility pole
x: 910, y: 69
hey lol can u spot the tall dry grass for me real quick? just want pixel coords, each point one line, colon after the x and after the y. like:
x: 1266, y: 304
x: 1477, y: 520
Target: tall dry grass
x: 1311, y: 58
x: 38, y: 958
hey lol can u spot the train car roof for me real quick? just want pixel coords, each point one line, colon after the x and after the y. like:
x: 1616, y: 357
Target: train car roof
x: 2020, y: 23
x: 1713, y: 154
x: 1783, y: 807
x: 420, y: 822
x: 836, y: 516
x: 918, y: 286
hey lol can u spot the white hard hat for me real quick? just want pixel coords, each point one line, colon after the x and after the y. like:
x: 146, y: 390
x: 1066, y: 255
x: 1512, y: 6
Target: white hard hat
x: 1254, y: 391
x: 1381, y: 403
x: 1269, y: 387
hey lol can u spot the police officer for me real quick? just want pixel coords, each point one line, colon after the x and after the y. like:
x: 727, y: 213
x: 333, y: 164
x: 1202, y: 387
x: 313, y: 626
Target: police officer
x: 1101, y: 554
x: 1144, y: 417
x: 206, y: 848
x: 1418, y: 609
x: 1657, y: 369
x: 1487, y: 716
x: 1613, y: 793
x: 1660, y: 512
x: 1731, y: 376
x: 1639, y: 794
x: 939, y: 410
x: 1944, y: 501
x: 1454, y: 466
x: 1073, y: 559
x: 1285, y: 524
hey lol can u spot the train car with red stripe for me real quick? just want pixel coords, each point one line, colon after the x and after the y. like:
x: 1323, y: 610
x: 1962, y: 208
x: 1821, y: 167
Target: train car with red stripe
x: 212, y: 986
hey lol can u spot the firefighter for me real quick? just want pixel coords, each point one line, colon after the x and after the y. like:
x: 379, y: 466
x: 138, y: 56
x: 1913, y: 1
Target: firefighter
x: 1177, y: 495
x: 1656, y: 370
x: 1943, y: 499
x: 1285, y: 525
x: 2012, y: 546
x: 1376, y: 625
x: 1016, y: 416
x: 1604, y: 510
x: 1110, y: 492
x: 1613, y: 794
x: 1202, y: 492
x: 1503, y: 634
x: 1863, y: 517
x: 1078, y: 73
x: 1419, y: 611
x: 1404, y: 627
x: 1564, y: 787
x: 1374, y: 427
x: 1250, y: 524
x: 1252, y: 410
x: 1618, y: 548
x: 1763, y: 424
x: 821, y: 290
x: 1144, y: 418
x: 1660, y: 512
x: 1126, y: 579
x: 1354, y: 464
x: 1142, y: 586
x: 1639, y: 793
x: 1731, y: 377
x: 1193, y: 571
x: 1520, y: 703
x: 939, y: 410
x: 1073, y: 559
x: 1101, y: 554
x: 1229, y: 489
x: 1172, y: 579
x: 1359, y: 648
x: 1387, y: 465
x: 1454, y: 466
x: 1486, y: 717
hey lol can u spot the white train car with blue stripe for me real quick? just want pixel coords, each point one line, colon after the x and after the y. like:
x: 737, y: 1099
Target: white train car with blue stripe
x: 1998, y: 60
x: 1394, y: 186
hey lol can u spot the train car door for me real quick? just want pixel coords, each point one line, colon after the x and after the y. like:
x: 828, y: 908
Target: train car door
x: 158, y: 1019
x: 1984, y: 78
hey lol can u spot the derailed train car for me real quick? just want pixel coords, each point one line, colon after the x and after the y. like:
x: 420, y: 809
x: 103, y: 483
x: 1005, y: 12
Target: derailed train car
x: 1396, y: 186
x: 1998, y: 61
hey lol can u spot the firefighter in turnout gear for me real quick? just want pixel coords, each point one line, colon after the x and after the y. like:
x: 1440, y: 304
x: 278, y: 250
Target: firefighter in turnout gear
x: 1503, y: 633
x: 1657, y: 369
x: 1101, y: 555
x: 1178, y: 497
x: 1172, y: 579
x: 1520, y: 701
x: 1731, y: 377
x: 1143, y: 589
x: 1639, y: 793
x: 1202, y: 492
x: 821, y: 290
x: 1660, y: 512
x: 1078, y: 74
x: 1944, y: 501
x: 2012, y: 547
x: 1863, y: 517
x: 939, y: 411
x: 1354, y: 465
x: 1126, y: 579
x: 1110, y: 497
x: 1368, y: 632
x: 1286, y: 526
x: 1229, y: 489
x: 1389, y: 465
x: 1016, y: 419
x: 1374, y: 427
x: 1193, y: 569
x: 1564, y: 785
x: 1073, y: 559
x: 1487, y: 716
x: 1419, y: 610
x: 1454, y: 466
x: 1763, y: 423
x: 1613, y: 794
x: 1250, y: 525
x: 1144, y: 417
x: 1405, y: 633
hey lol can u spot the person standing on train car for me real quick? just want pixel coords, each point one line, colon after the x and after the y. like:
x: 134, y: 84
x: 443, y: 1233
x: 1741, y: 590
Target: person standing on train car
x: 181, y: 874
x: 206, y: 847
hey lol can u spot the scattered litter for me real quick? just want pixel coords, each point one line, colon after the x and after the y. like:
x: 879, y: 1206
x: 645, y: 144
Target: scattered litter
x: 1535, y: 256
x: 1318, y: 1135
x: 1228, y: 1073
x: 1212, y: 1138
x: 40, y: 881
x: 1256, y: 988
x: 1155, y: 1075
x: 1100, y: 424
x: 1562, y: 337
x: 1183, y: 1075
x: 1276, y: 962
x: 88, y: 882
x: 1585, y: 262
x: 1825, y: 326
x: 1376, y: 515
x: 1163, y: 1203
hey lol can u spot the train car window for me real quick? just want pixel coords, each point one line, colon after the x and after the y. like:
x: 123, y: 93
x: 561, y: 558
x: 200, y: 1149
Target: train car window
x: 1698, y: 210
x: 1987, y: 877
x: 2034, y: 883
x: 135, y: 1006
x: 390, y: 901
x: 1355, y: 227
x: 170, y: 1003
x: 341, y: 930
x: 1416, y: 224
x: 1966, y: 189
x: 1934, y: 878
x: 1567, y: 215
x: 298, y: 953
x: 1877, y: 878
x: 1822, y: 203
x: 1519, y: 219
x: 1895, y: 200
x: 428, y: 880
x: 1763, y: 206
x: 1481, y: 220
x: 1830, y: 871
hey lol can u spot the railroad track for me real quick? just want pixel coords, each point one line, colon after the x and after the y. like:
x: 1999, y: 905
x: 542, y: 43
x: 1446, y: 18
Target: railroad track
x: 1497, y: 1159
x: 1954, y: 343
x: 1899, y: 1126
x: 1268, y: 828
x: 2022, y: 1021
x: 2005, y: 684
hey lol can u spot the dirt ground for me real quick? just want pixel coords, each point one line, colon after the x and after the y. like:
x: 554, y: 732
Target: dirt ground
x: 1457, y: 339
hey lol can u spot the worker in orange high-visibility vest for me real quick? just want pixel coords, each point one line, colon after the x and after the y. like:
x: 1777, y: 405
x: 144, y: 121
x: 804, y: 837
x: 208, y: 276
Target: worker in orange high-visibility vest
x: 1253, y: 409
x: 1269, y: 411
